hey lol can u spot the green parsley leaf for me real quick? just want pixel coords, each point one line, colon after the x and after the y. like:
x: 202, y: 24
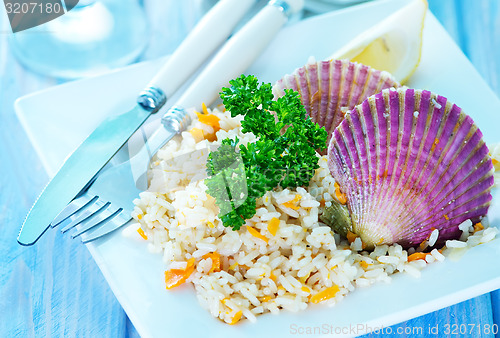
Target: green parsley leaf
x: 284, y: 154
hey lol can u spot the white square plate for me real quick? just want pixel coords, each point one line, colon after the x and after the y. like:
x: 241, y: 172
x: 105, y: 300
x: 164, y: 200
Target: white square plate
x: 58, y: 119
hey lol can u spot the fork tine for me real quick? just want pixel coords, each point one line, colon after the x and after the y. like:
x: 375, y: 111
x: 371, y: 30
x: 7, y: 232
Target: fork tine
x: 88, y: 213
x: 104, y: 216
x: 112, y: 208
x: 118, y: 222
x: 77, y: 205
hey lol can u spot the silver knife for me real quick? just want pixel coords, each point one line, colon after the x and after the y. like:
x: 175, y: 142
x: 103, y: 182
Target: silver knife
x: 234, y: 58
x: 98, y: 148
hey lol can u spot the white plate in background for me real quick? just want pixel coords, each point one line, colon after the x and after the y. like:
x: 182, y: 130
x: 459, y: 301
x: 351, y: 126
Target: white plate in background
x: 58, y: 119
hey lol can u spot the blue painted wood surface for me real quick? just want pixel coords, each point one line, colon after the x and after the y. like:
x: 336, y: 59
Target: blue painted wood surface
x: 55, y: 287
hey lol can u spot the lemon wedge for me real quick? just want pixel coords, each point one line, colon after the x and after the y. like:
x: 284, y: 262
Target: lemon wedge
x: 393, y: 45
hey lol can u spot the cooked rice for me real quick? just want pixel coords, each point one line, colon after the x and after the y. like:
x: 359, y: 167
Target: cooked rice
x: 303, y: 263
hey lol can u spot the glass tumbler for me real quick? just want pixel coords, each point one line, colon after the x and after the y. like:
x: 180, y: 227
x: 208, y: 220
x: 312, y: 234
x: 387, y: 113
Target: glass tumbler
x: 93, y: 37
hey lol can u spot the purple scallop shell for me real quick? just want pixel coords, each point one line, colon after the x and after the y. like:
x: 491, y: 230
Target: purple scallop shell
x: 410, y: 162
x: 329, y: 88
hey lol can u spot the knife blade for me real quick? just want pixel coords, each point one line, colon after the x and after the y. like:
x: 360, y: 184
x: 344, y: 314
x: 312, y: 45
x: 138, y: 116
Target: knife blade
x: 98, y: 148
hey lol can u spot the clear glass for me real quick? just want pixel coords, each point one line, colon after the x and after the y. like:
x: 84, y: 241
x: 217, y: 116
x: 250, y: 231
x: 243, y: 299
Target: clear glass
x: 90, y: 39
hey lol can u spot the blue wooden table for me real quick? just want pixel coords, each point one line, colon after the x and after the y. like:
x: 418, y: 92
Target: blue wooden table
x: 55, y: 288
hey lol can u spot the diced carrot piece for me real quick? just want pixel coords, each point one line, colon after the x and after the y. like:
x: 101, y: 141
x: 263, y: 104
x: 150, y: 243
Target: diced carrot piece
x: 215, y: 262
x: 265, y: 299
x: 305, y: 289
x: 478, y: 227
x: 325, y: 294
x: 340, y: 196
x: 197, y: 133
x: 273, y: 225
x: 141, y: 232
x: 204, y: 108
x: 236, y: 317
x: 417, y: 255
x: 351, y: 236
x: 209, y: 119
x: 215, y: 257
x: 176, y: 277
x: 496, y: 164
x: 363, y: 264
x: 293, y: 203
x: 190, y: 264
x: 210, y: 137
x: 257, y: 234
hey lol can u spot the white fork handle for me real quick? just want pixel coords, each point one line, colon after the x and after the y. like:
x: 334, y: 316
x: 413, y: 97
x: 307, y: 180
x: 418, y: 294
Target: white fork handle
x: 237, y: 54
x: 213, y: 29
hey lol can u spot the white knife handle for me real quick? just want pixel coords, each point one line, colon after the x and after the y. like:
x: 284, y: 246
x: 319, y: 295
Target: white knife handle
x: 234, y: 58
x: 207, y: 35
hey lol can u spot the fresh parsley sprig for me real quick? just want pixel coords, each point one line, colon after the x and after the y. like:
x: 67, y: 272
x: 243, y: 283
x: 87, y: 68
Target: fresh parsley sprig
x: 284, y: 154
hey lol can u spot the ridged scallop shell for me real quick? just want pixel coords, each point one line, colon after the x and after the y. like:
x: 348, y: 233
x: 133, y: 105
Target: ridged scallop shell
x: 329, y: 88
x: 409, y: 162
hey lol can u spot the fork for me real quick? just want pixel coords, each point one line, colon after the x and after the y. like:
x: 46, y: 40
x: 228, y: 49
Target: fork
x: 106, y: 203
x: 98, y: 208
x: 105, y: 206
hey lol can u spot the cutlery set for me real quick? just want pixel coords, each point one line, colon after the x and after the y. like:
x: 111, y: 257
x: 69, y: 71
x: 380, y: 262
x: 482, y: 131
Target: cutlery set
x: 97, y: 197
